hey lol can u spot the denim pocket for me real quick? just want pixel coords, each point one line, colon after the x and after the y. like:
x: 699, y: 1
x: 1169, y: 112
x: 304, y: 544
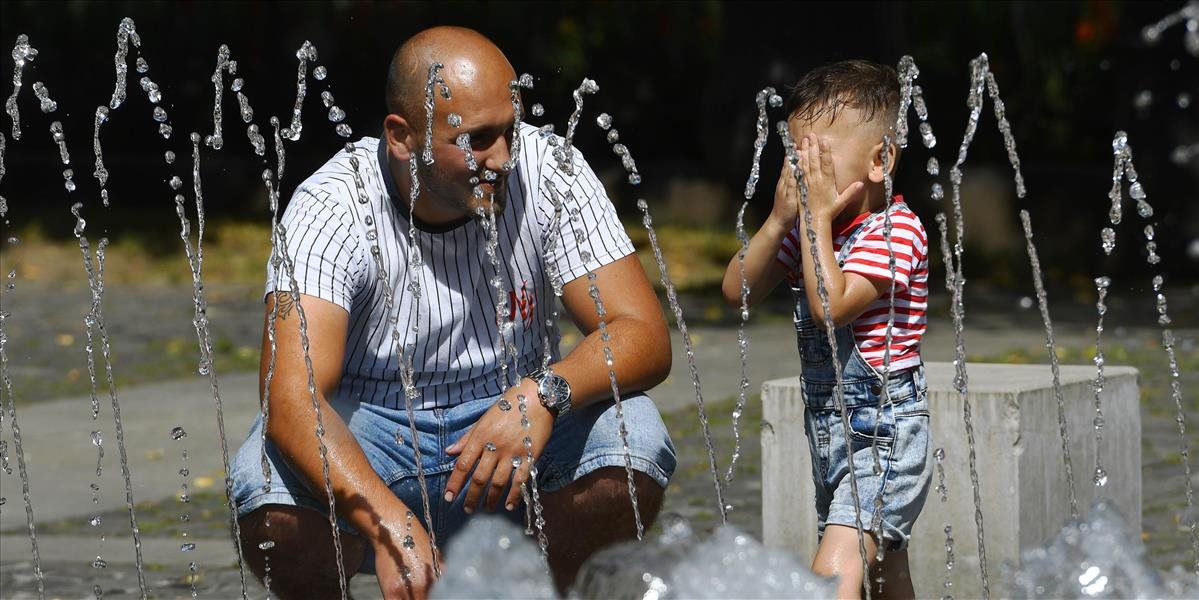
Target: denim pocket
x: 866, y: 426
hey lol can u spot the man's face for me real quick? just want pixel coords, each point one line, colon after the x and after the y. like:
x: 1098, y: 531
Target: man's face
x: 483, y: 103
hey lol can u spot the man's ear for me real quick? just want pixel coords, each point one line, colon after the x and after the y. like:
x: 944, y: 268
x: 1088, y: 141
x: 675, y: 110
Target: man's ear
x: 883, y: 155
x: 400, y: 138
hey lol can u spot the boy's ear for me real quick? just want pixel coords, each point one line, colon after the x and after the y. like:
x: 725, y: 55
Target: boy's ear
x: 883, y: 155
x: 401, y: 139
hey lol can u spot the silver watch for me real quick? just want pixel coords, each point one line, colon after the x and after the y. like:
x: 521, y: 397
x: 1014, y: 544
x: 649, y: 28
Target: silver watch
x: 553, y: 391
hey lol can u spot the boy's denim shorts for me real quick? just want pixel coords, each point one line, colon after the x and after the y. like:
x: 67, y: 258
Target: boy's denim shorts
x: 582, y: 441
x: 903, y: 449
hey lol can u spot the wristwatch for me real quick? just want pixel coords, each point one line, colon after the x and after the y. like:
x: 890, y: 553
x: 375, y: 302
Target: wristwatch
x: 553, y: 391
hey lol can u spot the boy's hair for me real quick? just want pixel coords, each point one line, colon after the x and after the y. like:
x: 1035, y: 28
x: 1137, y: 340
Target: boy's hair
x: 869, y: 87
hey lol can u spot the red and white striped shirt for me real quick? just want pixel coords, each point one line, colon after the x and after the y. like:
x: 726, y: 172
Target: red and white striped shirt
x: 868, y: 257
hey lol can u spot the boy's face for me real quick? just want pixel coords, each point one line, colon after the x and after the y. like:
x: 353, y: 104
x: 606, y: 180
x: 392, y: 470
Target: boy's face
x: 855, y: 143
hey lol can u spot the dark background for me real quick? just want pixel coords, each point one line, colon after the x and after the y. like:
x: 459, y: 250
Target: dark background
x: 679, y: 78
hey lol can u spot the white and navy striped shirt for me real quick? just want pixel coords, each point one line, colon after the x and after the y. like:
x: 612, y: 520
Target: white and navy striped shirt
x: 331, y: 231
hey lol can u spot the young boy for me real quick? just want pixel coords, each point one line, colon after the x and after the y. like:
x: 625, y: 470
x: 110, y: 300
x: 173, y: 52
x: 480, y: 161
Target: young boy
x: 838, y: 115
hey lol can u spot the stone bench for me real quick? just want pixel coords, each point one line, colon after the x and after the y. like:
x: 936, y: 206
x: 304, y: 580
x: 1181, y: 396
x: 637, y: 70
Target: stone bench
x: 1021, y: 471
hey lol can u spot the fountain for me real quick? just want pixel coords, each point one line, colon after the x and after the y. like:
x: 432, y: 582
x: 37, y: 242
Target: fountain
x: 685, y: 569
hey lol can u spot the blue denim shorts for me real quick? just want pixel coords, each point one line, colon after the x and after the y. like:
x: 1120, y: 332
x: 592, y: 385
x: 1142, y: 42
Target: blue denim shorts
x: 582, y: 441
x: 902, y: 436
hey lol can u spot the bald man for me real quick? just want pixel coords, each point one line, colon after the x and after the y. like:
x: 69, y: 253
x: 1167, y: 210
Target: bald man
x: 348, y: 236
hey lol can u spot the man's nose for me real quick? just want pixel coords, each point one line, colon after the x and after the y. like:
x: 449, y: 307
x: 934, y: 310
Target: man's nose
x: 498, y: 154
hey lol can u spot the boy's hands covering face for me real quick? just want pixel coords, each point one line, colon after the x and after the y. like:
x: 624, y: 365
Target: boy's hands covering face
x: 816, y: 160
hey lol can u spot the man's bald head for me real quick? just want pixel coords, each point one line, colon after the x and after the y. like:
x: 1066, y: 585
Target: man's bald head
x: 467, y: 57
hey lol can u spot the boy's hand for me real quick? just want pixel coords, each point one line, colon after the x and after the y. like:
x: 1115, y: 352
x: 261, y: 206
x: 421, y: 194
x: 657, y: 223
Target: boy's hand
x: 816, y: 159
x: 786, y: 199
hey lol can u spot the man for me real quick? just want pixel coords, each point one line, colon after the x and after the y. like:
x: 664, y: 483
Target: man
x: 348, y: 227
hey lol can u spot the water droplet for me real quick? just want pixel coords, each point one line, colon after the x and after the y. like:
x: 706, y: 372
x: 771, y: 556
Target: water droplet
x: 635, y: 178
x: 1100, y: 478
x: 604, y: 120
x: 142, y: 66
x: 169, y: 156
x: 926, y: 135
x: 327, y: 98
x: 1108, y: 239
x: 938, y: 192
x: 537, y: 110
x: 1026, y: 302
x: 525, y: 81
x: 1143, y: 100
x: 642, y: 204
x: 99, y: 563
x: 336, y: 114
x: 188, y: 547
x: 409, y: 543
x: 165, y: 130
x: 934, y: 167
x: 94, y: 521
x: 1183, y: 100
x: 69, y: 184
x: 454, y: 119
x: 184, y: 472
x: 319, y: 73
x: 1144, y: 209
x: 97, y: 439
x: 175, y: 182
x: 178, y: 433
x: 267, y: 545
x: 613, y: 136
x: 776, y: 100
x: 344, y: 130
x: 939, y: 454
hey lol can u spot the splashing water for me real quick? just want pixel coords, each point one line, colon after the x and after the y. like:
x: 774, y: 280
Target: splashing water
x: 306, y: 53
x: 195, y: 261
x: 602, y: 313
x: 1189, y: 13
x: 126, y: 32
x: 766, y: 95
x: 22, y: 52
x: 1101, y: 285
x: 564, y: 154
x: 223, y: 64
x: 1124, y: 168
x: 1043, y: 304
x: 430, y: 95
x: 672, y: 298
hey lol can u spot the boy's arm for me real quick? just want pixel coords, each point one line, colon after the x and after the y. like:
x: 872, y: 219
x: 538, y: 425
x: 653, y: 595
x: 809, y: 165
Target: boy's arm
x: 762, y: 269
x: 849, y: 294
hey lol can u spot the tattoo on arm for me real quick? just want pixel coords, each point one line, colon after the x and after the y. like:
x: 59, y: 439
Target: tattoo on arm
x: 286, y: 301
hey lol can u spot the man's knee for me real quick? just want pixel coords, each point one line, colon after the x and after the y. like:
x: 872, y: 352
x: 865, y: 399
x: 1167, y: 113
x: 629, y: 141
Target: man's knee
x: 605, y: 493
x: 298, y: 543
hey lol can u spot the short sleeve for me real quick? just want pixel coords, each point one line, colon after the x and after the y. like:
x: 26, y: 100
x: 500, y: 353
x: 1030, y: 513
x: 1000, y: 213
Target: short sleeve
x: 587, y: 233
x: 323, y: 247
x: 869, y: 255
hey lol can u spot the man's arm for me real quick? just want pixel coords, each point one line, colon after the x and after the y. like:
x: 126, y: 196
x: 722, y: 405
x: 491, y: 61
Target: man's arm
x: 640, y: 345
x: 361, y: 496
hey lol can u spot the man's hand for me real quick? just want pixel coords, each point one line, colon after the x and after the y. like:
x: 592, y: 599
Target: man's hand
x: 493, y: 445
x: 404, y: 560
x: 816, y: 160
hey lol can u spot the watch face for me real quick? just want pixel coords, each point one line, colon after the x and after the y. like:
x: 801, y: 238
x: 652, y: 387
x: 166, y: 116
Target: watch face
x: 554, y: 391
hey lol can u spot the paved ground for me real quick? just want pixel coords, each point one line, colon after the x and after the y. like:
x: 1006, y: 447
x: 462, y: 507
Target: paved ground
x: 61, y: 458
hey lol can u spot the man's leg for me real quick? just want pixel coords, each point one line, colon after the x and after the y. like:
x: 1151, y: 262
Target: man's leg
x: 592, y: 513
x: 305, y: 564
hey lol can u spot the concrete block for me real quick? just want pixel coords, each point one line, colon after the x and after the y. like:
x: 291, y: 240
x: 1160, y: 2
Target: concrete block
x: 1021, y: 471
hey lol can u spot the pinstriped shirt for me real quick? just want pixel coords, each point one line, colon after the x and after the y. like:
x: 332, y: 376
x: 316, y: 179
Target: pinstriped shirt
x: 332, y: 226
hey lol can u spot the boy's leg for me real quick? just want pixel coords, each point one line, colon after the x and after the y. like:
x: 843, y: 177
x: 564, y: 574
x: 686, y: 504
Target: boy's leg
x: 840, y: 556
